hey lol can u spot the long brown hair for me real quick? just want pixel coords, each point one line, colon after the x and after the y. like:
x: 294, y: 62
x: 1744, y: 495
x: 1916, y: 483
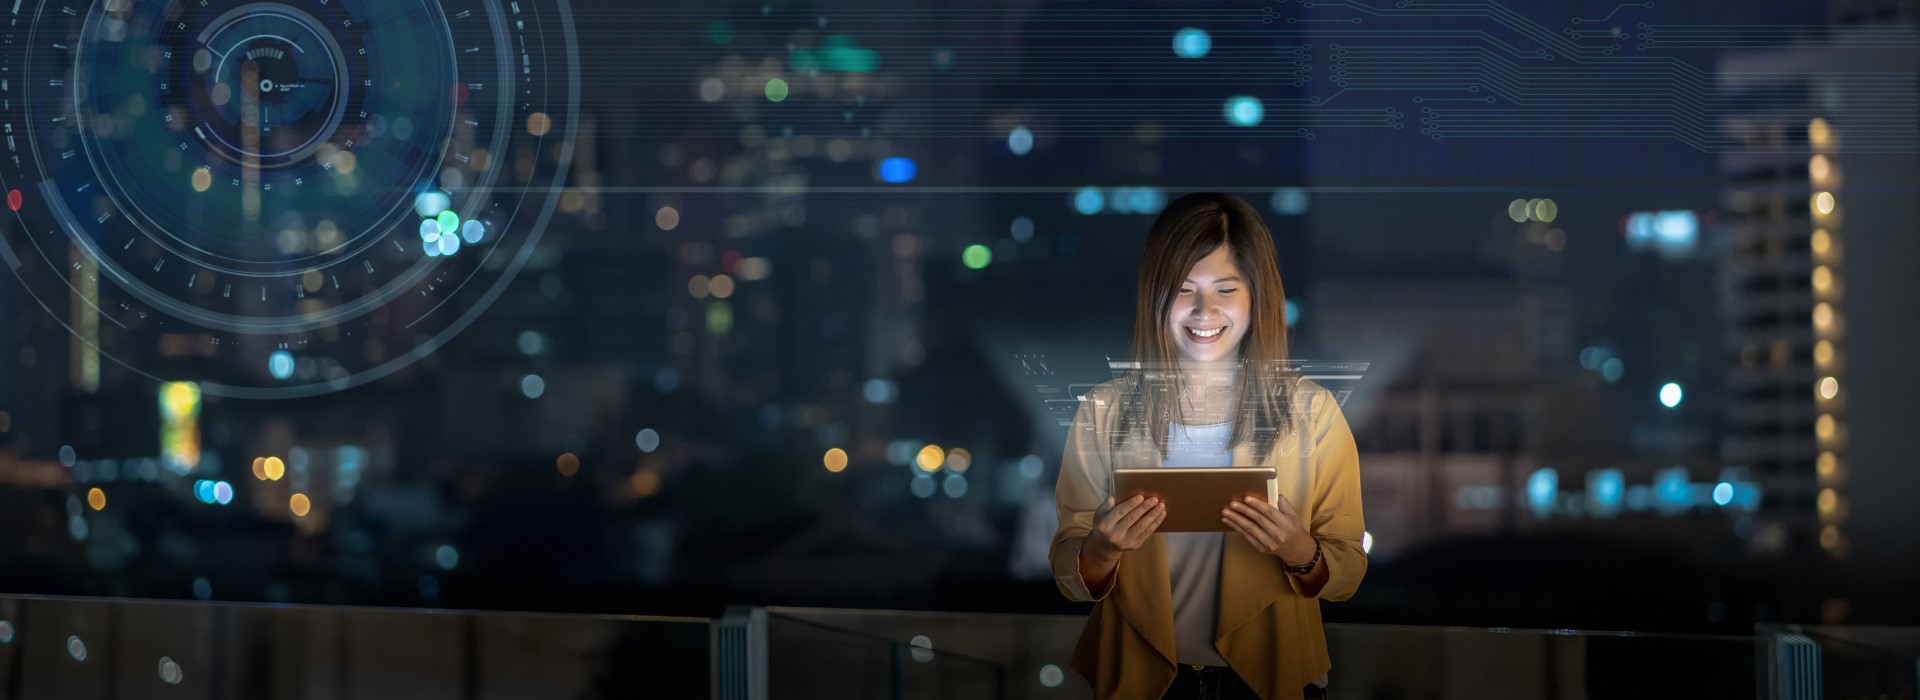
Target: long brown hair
x: 1188, y: 230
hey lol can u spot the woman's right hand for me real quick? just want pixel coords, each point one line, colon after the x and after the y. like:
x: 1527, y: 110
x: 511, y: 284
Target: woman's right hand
x: 1123, y: 527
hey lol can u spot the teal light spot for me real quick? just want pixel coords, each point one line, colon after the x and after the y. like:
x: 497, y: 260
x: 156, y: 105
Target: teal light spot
x: 449, y: 222
x: 1244, y: 111
x: 836, y: 52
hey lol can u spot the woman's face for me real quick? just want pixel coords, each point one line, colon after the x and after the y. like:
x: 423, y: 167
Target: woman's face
x: 1212, y: 309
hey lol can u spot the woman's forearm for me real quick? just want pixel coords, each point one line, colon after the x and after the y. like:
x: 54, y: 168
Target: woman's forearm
x: 1312, y: 582
x: 1096, y: 571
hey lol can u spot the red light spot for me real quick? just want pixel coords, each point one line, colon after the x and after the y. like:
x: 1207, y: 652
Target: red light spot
x: 730, y: 261
x: 14, y: 200
x: 459, y: 95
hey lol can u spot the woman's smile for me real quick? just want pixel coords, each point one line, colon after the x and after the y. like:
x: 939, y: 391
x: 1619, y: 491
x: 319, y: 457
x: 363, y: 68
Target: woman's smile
x: 1205, y: 335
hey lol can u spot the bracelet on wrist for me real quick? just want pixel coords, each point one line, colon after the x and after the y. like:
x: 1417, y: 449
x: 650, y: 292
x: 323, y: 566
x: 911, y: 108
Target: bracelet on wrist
x: 1306, y: 568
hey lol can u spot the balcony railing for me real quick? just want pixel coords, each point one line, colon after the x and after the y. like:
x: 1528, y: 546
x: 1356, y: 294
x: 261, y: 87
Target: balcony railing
x: 111, y: 648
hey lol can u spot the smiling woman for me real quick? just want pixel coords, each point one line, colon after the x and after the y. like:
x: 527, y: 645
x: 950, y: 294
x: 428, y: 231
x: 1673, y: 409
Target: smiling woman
x: 1234, y: 611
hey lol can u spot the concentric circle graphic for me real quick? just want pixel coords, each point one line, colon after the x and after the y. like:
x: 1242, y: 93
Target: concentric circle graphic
x: 279, y: 199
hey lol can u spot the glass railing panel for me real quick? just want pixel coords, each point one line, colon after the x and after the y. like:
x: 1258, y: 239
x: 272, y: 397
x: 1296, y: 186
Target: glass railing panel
x: 1371, y: 660
x: 113, y: 648
x: 1867, y: 662
x: 808, y: 658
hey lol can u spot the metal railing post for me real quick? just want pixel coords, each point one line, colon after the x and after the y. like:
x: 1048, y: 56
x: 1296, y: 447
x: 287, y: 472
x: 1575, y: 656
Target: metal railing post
x: 739, y: 654
x: 1793, y: 666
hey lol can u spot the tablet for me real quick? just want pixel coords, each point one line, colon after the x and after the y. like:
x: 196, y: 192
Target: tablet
x: 1194, y: 495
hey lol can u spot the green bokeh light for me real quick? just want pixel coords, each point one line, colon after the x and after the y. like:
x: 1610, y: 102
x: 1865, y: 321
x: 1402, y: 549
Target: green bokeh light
x: 976, y: 256
x: 776, y: 89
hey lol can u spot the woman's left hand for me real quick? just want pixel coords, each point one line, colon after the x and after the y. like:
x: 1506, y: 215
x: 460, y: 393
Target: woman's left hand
x: 1274, y: 530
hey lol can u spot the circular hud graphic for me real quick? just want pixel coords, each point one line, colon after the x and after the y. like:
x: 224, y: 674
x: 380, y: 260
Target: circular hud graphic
x: 279, y: 198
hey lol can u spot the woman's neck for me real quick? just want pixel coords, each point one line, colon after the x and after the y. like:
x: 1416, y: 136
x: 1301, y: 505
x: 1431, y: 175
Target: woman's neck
x: 1208, y: 391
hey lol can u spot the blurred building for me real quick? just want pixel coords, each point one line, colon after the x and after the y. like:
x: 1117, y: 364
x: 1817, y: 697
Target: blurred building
x: 1821, y: 214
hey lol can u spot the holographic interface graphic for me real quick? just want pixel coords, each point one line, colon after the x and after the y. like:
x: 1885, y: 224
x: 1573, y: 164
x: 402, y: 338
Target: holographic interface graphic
x: 255, y: 183
x: 1062, y: 398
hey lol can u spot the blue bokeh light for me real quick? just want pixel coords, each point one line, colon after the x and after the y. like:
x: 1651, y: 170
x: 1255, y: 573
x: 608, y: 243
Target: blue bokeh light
x: 280, y: 363
x: 1543, y: 488
x: 1021, y: 229
x: 954, y: 485
x: 446, y: 556
x: 1605, y: 489
x: 1291, y: 201
x: 1244, y: 111
x: 1192, y: 42
x: 1020, y: 141
x: 431, y: 203
x: 1722, y: 494
x: 897, y: 170
x: 1089, y: 201
x: 922, y: 485
x: 1031, y: 466
x: 880, y: 391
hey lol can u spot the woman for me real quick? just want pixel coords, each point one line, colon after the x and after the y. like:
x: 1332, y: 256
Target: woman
x: 1218, y: 614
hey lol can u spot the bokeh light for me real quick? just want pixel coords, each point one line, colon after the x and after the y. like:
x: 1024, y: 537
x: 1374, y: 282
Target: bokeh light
x: 299, y: 504
x: 280, y: 364
x: 1089, y: 201
x: 1031, y: 466
x: 976, y: 256
x: 1020, y: 141
x: 1191, y: 42
x: 1670, y: 395
x: 898, y: 170
x: 930, y: 458
x: 1242, y: 110
x: 1290, y: 201
x: 835, y: 460
x: 1021, y: 229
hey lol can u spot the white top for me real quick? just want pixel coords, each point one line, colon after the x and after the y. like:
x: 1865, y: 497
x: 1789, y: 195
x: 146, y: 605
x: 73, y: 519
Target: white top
x: 1193, y: 558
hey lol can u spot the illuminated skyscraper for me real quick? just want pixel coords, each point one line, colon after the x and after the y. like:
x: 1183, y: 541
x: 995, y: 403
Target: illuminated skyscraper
x: 1819, y: 207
